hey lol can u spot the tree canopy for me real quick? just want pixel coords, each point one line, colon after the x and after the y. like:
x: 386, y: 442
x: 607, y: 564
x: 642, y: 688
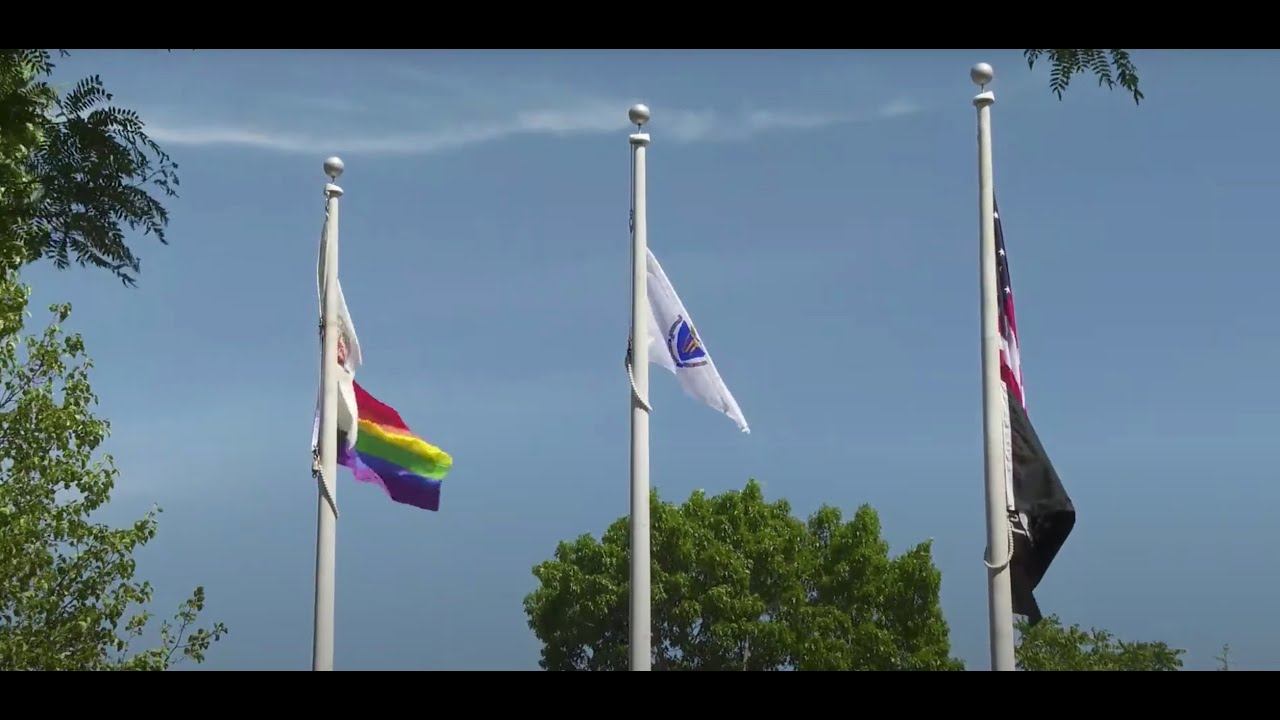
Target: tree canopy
x: 67, y: 582
x: 74, y: 176
x: 76, y: 172
x: 1050, y: 646
x: 740, y: 584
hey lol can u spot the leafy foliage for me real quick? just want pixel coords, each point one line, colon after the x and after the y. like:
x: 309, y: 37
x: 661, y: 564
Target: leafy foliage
x: 76, y: 172
x: 1050, y: 646
x: 67, y: 583
x: 1110, y: 67
x: 741, y: 584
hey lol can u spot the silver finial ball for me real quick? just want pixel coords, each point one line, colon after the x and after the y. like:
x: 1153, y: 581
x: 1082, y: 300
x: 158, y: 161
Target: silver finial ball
x: 638, y: 114
x: 982, y: 74
x: 333, y: 167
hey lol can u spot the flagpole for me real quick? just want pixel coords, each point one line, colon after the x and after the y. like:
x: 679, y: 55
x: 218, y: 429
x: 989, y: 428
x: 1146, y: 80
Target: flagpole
x: 326, y: 518
x: 639, y: 369
x: 999, y: 539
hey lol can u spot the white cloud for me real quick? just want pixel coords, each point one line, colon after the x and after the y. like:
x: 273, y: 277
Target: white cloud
x: 581, y: 117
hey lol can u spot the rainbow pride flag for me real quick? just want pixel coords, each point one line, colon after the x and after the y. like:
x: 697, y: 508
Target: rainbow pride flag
x: 387, y: 453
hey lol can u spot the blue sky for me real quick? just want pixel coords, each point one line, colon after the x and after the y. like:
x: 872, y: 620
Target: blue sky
x: 817, y: 213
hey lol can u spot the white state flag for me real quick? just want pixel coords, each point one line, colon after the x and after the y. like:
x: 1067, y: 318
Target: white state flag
x: 675, y: 345
x: 349, y: 360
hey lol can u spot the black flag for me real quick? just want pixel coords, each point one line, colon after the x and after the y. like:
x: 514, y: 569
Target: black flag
x: 1045, y: 514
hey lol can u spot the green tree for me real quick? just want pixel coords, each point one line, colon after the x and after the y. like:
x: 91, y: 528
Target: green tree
x: 741, y: 584
x: 1050, y: 646
x: 76, y: 172
x: 66, y: 582
x: 1110, y: 67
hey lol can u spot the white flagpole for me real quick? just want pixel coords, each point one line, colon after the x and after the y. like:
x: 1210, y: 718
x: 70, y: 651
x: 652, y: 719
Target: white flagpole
x: 999, y: 537
x: 639, y: 369
x: 327, y: 518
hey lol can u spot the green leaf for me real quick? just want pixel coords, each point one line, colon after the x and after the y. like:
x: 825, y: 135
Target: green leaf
x: 1110, y: 67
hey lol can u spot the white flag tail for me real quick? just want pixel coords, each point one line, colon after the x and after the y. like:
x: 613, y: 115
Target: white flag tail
x: 349, y: 360
x: 674, y: 344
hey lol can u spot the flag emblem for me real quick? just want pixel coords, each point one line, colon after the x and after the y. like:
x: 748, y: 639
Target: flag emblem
x: 684, y: 345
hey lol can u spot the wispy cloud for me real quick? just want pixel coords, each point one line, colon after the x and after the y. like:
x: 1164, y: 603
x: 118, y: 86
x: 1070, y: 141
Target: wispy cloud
x: 595, y: 117
x: 448, y: 112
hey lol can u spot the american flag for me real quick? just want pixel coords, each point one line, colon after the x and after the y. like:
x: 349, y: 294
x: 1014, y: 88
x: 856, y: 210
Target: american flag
x: 1010, y: 360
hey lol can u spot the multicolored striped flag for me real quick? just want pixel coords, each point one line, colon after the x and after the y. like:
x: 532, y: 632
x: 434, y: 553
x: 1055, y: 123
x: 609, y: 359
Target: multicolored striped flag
x: 388, y: 454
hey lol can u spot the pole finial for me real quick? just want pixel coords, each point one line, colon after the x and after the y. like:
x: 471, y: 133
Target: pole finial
x: 638, y: 115
x: 982, y: 74
x: 333, y: 167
